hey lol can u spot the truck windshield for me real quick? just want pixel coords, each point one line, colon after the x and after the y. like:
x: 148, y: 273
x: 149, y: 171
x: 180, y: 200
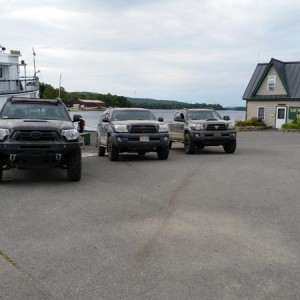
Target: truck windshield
x: 124, y: 115
x: 44, y: 111
x: 203, y: 115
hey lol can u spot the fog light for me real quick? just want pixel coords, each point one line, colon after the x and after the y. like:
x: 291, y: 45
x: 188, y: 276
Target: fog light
x: 197, y: 135
x: 166, y: 139
x: 119, y: 139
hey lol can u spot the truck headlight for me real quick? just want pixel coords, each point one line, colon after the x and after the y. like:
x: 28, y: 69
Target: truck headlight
x: 197, y: 126
x: 163, y: 128
x: 70, y: 134
x: 120, y: 128
x: 231, y: 125
x: 3, y: 133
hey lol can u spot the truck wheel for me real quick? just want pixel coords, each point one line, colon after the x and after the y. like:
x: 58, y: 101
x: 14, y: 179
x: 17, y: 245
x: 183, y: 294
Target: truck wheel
x: 230, y: 147
x: 162, y: 153
x: 189, y: 145
x: 74, y: 166
x: 113, y: 151
x: 101, y: 151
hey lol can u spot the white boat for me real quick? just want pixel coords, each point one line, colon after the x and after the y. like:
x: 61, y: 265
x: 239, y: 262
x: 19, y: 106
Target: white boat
x: 11, y: 81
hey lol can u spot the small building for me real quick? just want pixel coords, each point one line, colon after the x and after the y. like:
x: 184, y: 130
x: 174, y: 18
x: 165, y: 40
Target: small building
x: 273, y: 93
x: 96, y: 104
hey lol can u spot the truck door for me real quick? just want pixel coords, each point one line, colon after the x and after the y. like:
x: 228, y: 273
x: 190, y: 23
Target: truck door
x: 178, y: 126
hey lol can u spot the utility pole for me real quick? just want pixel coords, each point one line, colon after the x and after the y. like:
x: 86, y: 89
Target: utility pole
x: 33, y: 53
x: 59, y: 85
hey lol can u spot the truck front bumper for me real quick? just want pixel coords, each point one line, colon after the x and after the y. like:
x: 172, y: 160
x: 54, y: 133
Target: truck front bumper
x: 29, y: 154
x: 214, y: 138
x: 135, y: 142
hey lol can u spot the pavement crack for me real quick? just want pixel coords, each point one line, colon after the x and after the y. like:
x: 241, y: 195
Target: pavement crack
x: 37, y: 284
x: 10, y: 260
x: 145, y: 251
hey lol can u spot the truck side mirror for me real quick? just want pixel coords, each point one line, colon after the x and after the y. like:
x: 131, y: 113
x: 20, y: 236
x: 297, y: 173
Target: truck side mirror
x: 226, y: 118
x: 76, y: 118
x: 160, y: 119
x: 81, y: 125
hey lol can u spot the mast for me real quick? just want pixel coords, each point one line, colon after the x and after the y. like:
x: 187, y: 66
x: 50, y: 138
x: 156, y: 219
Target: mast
x: 59, y: 85
x: 33, y: 53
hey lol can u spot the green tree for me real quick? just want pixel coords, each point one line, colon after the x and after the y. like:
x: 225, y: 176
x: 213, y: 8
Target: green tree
x: 47, y: 91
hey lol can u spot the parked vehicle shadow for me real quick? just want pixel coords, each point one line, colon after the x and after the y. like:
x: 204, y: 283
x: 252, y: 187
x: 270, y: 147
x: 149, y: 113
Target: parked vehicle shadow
x: 53, y: 176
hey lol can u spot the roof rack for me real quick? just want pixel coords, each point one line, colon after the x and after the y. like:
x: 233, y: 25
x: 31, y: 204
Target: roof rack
x: 30, y: 100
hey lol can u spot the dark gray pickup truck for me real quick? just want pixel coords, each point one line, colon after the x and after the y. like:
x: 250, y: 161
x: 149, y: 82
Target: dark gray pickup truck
x: 131, y: 130
x: 198, y: 128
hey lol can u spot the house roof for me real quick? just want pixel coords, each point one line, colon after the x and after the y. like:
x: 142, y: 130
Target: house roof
x: 289, y: 74
x: 90, y: 101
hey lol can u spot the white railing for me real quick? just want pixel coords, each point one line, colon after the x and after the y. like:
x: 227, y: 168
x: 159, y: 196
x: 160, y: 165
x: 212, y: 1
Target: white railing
x: 22, y: 85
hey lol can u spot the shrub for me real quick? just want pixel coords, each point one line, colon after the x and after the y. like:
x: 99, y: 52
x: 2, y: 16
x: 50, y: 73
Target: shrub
x: 239, y: 123
x: 295, y: 124
x: 253, y: 121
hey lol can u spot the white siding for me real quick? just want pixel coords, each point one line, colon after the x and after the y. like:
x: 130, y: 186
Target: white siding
x: 279, y: 89
x: 270, y: 109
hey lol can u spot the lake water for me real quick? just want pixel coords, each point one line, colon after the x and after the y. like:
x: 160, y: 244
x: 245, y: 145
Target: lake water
x: 92, y: 117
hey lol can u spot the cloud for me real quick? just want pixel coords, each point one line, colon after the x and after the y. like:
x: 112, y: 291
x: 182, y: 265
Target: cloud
x: 164, y: 49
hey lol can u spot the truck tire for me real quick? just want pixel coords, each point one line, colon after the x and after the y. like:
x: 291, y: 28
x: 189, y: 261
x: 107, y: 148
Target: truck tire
x: 163, y: 153
x: 101, y: 151
x: 113, y: 151
x: 229, y: 147
x: 189, y: 145
x: 74, y: 166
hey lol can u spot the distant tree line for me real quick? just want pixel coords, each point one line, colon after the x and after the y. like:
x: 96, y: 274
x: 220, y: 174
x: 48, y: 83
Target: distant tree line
x: 240, y: 108
x: 49, y: 92
x: 169, y: 104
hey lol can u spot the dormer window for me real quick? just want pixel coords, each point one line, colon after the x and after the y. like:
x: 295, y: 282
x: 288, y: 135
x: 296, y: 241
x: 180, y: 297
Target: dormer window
x: 271, y: 82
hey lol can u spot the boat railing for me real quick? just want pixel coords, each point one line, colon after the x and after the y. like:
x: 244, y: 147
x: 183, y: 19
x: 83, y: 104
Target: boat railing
x: 21, y: 85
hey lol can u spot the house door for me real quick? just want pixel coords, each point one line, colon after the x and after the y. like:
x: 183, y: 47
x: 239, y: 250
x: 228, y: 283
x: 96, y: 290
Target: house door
x: 280, y: 116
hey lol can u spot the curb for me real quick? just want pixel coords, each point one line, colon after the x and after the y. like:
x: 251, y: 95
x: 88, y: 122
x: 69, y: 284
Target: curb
x: 251, y: 128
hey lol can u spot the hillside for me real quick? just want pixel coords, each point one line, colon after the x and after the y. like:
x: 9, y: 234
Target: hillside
x: 169, y: 104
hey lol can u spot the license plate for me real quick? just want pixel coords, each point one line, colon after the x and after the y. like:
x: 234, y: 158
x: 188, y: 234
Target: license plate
x: 144, y: 138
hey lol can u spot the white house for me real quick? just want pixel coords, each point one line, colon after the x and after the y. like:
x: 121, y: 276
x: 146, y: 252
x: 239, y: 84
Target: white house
x: 273, y: 93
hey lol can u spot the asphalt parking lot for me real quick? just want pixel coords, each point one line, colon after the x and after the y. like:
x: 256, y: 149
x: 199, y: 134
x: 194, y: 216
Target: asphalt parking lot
x: 204, y: 226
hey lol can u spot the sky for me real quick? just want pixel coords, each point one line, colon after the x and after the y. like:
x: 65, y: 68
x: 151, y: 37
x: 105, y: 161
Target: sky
x: 201, y: 51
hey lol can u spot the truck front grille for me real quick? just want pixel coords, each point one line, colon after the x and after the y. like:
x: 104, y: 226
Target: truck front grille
x: 35, y: 135
x: 216, y: 127
x: 142, y: 129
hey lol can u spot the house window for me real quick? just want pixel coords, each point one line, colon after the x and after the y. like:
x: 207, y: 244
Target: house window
x: 261, y: 113
x: 1, y: 73
x: 271, y: 82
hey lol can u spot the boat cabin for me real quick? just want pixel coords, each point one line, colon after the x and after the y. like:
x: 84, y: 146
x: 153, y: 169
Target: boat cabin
x: 11, y: 83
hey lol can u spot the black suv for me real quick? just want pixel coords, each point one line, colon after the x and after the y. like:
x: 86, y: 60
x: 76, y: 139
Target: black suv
x: 37, y: 133
x: 131, y: 130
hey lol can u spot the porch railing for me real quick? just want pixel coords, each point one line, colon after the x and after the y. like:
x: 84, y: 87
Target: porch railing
x: 28, y: 84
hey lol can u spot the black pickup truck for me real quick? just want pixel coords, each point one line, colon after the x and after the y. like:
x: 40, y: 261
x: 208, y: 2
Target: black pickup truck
x: 38, y: 133
x: 198, y: 128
